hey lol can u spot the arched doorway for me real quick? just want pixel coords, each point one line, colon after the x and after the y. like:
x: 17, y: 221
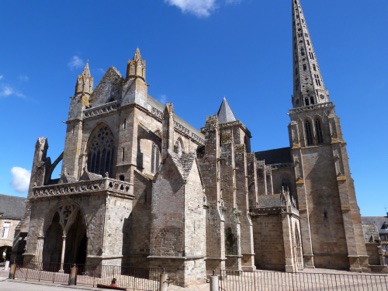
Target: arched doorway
x: 76, y: 242
x: 52, y: 246
x: 65, y: 241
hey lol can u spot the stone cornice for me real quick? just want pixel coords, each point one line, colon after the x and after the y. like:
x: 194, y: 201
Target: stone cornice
x: 105, y: 185
x: 298, y: 110
x: 178, y: 127
x: 102, y: 109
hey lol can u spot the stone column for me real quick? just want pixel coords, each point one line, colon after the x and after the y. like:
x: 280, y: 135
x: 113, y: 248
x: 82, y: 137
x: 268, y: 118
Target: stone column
x: 288, y: 245
x: 381, y: 255
x: 39, y: 252
x: 63, y: 253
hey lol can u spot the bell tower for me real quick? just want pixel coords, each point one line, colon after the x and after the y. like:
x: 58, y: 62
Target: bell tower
x: 330, y: 217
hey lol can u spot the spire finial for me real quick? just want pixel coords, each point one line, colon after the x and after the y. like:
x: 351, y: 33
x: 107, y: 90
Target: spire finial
x: 86, y: 71
x: 309, y: 88
x: 137, y: 56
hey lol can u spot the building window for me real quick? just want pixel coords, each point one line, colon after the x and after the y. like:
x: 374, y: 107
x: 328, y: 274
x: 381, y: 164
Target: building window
x: 317, y: 80
x: 154, y: 158
x: 6, y: 227
x: 304, y: 67
x: 302, y: 52
x: 309, y: 132
x: 101, y: 151
x: 314, y: 67
x: 318, y: 129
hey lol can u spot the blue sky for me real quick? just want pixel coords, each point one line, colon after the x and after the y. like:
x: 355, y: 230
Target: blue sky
x: 197, y: 52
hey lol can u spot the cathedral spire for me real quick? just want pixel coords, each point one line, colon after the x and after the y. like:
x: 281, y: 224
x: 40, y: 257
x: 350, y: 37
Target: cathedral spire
x: 309, y: 88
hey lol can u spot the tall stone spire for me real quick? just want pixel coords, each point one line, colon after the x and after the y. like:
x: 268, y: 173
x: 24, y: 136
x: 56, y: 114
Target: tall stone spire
x: 309, y: 88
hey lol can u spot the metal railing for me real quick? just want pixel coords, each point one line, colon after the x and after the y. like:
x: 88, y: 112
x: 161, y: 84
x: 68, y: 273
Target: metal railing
x: 134, y: 278
x: 280, y: 281
x: 127, y: 277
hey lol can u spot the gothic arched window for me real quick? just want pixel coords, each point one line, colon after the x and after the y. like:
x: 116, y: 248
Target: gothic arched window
x: 318, y: 129
x: 309, y: 132
x: 101, y: 151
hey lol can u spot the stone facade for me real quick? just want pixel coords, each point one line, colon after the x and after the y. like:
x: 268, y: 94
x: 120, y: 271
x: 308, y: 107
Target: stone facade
x: 141, y: 187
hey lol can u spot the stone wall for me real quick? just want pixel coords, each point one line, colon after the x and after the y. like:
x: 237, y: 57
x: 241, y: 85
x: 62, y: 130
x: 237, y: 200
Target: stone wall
x: 268, y: 242
x: 373, y: 253
x: 118, y: 210
x: 137, y: 225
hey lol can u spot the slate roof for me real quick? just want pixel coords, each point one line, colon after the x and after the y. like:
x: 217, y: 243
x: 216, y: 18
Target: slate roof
x: 12, y: 207
x: 276, y: 156
x: 183, y: 163
x: 270, y: 201
x: 381, y: 223
x: 225, y: 113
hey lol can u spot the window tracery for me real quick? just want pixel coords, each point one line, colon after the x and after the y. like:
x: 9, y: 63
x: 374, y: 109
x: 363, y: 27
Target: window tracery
x: 101, y: 151
x: 309, y: 132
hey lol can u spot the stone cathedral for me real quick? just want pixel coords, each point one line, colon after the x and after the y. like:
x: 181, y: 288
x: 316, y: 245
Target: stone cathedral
x: 141, y: 187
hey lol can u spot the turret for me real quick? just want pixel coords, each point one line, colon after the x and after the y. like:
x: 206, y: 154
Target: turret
x: 136, y: 67
x: 135, y: 89
x: 83, y: 90
x: 225, y: 113
x: 84, y: 82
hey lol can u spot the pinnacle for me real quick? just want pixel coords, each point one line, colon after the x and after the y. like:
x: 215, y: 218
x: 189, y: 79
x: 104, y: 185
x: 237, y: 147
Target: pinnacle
x: 137, y: 55
x: 86, y: 71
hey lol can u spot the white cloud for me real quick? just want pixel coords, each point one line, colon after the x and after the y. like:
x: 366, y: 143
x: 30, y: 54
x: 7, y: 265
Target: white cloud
x: 200, y: 8
x: 20, y: 179
x: 75, y: 63
x: 6, y: 91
